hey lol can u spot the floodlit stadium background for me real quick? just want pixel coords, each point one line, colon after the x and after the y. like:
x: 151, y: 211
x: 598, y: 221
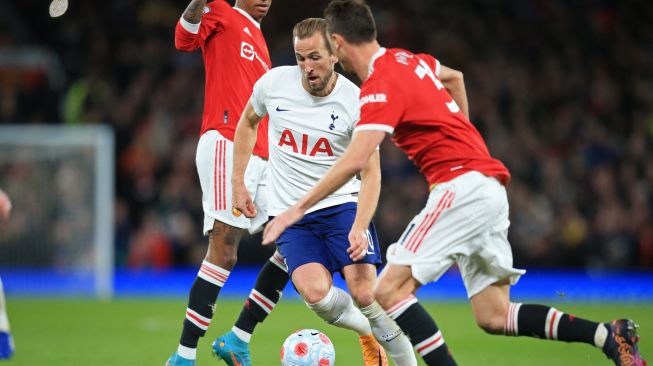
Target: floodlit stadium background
x: 561, y: 91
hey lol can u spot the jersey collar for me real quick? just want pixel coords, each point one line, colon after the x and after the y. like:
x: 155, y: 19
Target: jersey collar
x: 375, y: 56
x: 246, y: 14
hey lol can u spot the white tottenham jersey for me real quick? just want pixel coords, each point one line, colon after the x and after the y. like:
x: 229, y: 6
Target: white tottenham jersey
x: 306, y: 135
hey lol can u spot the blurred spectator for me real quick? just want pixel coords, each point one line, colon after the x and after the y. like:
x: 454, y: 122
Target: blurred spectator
x: 561, y: 91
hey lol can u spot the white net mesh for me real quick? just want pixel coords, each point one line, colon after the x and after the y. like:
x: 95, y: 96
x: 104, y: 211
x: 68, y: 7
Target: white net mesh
x: 58, y: 239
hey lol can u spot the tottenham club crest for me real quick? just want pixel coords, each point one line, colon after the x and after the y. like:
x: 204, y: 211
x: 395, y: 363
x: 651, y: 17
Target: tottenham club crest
x: 332, y: 126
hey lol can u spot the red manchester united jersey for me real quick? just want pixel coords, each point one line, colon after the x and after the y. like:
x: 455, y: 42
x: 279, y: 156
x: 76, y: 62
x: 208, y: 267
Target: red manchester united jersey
x: 405, y: 97
x: 235, y: 56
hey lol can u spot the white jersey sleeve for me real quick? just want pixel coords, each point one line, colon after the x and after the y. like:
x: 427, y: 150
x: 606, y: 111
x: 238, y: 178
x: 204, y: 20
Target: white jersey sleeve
x: 260, y: 92
x: 355, y: 118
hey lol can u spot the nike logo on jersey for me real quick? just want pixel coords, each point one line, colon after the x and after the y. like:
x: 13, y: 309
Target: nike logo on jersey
x: 282, y: 110
x: 246, y: 30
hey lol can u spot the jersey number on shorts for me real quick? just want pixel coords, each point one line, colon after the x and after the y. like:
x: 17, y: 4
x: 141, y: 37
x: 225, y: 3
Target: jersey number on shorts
x: 423, y: 70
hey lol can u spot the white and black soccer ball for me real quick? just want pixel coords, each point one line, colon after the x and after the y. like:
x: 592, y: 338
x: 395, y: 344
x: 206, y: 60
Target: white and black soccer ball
x: 308, y: 347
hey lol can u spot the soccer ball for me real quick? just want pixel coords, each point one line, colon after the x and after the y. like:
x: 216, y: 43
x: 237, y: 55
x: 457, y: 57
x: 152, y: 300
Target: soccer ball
x: 308, y: 347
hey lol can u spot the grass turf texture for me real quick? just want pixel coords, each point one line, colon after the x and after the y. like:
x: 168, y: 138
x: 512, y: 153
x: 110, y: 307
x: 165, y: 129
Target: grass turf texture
x: 145, y: 332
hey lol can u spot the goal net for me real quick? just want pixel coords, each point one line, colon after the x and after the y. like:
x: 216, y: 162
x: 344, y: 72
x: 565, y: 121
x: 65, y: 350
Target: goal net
x: 59, y: 238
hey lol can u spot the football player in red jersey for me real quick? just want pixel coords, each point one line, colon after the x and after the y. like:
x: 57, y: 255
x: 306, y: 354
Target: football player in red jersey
x: 235, y: 56
x: 423, y: 105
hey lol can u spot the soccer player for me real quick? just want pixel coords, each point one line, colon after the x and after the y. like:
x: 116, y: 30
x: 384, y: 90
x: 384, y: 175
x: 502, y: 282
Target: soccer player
x: 235, y: 56
x: 6, y: 342
x: 312, y: 111
x: 423, y: 105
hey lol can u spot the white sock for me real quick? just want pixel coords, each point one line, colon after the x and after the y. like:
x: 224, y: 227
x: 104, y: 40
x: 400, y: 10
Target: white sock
x: 600, y: 336
x: 384, y: 328
x: 338, y: 308
x: 241, y: 334
x: 4, y: 320
x: 187, y: 353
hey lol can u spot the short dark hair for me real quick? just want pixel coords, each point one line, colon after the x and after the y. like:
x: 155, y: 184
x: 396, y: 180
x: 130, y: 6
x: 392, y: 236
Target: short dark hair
x: 352, y: 19
x: 307, y: 27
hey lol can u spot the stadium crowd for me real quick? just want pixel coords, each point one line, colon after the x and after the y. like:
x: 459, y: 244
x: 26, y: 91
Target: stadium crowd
x: 562, y: 91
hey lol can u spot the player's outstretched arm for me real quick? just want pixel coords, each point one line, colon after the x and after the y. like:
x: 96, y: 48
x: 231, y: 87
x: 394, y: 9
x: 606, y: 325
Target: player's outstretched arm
x: 5, y: 205
x: 454, y: 82
x: 362, y: 146
x: 193, y: 12
x: 244, y: 141
x: 368, y: 199
x: 187, y: 30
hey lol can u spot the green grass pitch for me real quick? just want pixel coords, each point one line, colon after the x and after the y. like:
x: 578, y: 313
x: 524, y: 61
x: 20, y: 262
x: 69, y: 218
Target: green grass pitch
x: 145, y: 332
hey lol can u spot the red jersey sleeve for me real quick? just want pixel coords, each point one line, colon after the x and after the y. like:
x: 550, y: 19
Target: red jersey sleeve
x: 432, y: 62
x: 381, y: 105
x: 189, y: 37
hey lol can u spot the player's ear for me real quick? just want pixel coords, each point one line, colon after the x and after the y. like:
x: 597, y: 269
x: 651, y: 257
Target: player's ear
x: 333, y: 59
x: 336, y: 41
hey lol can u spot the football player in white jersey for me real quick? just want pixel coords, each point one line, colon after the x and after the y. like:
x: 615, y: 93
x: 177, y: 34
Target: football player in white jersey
x: 312, y: 112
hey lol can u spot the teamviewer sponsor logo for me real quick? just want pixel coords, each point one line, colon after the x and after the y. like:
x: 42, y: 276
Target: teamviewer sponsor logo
x: 247, y: 51
x: 373, y: 98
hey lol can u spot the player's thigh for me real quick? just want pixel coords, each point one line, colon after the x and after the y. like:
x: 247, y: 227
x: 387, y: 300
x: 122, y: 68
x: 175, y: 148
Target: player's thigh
x: 489, y: 262
x: 312, y: 281
x: 395, y: 283
x: 361, y: 279
x: 214, y: 160
x: 334, y: 226
x: 299, y: 246
x: 455, y: 212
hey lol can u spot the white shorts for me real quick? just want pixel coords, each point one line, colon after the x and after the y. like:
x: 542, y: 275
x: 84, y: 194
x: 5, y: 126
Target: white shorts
x: 465, y: 222
x: 214, y: 161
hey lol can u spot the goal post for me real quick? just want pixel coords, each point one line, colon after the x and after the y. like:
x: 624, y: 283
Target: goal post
x: 59, y: 239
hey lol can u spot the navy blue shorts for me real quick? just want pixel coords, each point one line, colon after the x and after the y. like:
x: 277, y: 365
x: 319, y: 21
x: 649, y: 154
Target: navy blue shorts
x: 322, y: 237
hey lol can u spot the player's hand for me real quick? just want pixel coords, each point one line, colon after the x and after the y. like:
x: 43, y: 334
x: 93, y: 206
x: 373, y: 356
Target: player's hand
x: 280, y: 223
x: 242, y: 202
x: 358, y: 244
x: 5, y: 205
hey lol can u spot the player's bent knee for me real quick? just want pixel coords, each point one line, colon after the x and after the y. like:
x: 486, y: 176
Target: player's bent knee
x: 229, y: 261
x: 362, y: 297
x: 221, y: 255
x: 313, y: 294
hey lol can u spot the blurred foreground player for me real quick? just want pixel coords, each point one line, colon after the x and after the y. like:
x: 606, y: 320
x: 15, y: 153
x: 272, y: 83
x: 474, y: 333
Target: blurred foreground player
x: 235, y: 55
x: 423, y: 105
x: 6, y: 342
